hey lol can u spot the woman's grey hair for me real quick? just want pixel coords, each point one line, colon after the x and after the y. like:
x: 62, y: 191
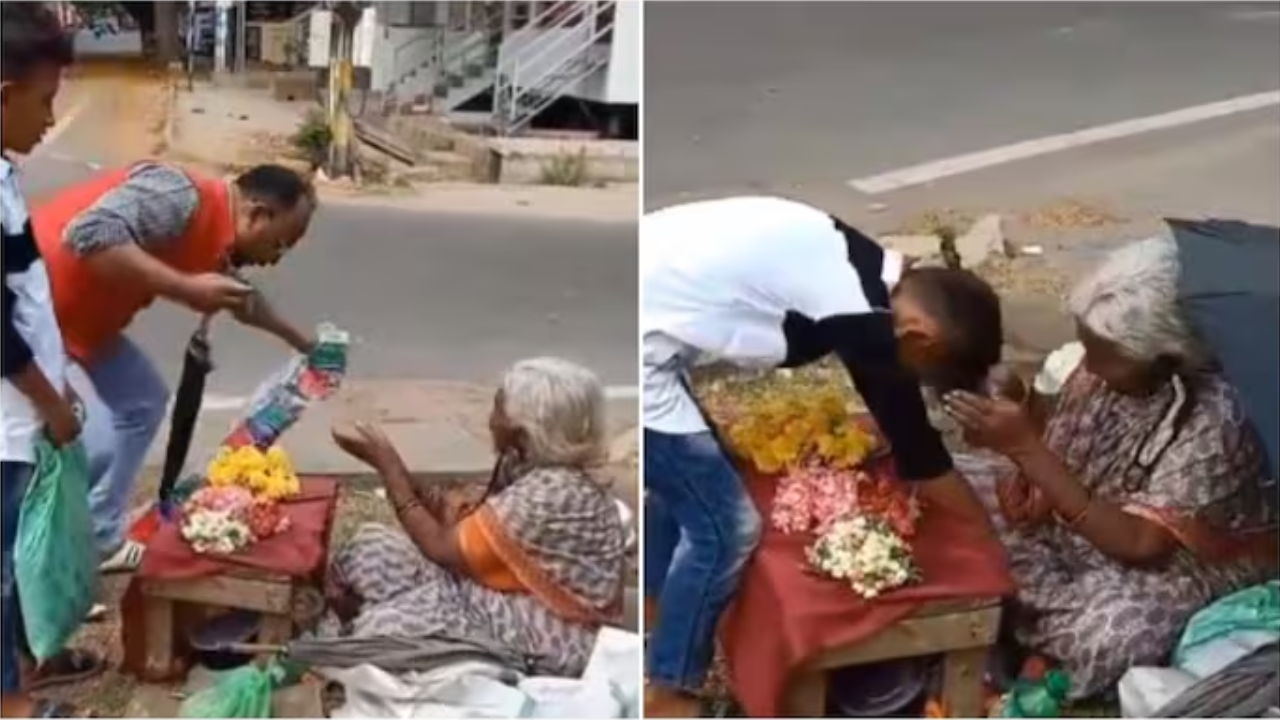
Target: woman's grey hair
x: 1131, y: 299
x: 560, y: 405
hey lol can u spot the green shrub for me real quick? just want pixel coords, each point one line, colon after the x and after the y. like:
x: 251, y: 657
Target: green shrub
x: 567, y: 169
x: 313, y: 138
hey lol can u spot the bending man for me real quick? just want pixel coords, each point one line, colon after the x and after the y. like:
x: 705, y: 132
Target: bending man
x: 114, y: 244
x: 767, y: 282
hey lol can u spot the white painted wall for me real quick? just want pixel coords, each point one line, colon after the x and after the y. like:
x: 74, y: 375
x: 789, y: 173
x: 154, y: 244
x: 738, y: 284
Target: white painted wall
x: 364, y: 44
x: 622, y: 86
x: 365, y: 38
x: 395, y: 46
x: 319, y: 38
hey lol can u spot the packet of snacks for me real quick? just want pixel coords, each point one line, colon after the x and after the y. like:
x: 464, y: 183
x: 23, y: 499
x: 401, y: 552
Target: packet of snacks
x: 280, y: 401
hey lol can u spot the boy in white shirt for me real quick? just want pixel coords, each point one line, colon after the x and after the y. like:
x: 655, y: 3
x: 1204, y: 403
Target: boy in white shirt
x: 35, y: 399
x: 768, y: 282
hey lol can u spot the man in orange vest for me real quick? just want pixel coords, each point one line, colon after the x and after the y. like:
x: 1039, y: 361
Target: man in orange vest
x: 115, y: 243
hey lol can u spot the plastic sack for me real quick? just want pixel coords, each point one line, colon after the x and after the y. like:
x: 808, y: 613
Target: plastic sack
x: 280, y: 401
x: 55, y: 557
x: 244, y: 692
x: 616, y: 661
x: 1042, y: 698
x: 1144, y: 690
x: 1255, y: 608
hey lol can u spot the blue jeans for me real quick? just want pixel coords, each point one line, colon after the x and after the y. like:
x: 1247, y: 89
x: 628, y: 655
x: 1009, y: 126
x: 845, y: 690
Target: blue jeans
x: 14, y: 477
x: 125, y: 405
x: 700, y: 528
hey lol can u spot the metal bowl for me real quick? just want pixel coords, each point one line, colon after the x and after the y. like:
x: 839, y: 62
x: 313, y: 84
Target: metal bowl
x: 883, y: 689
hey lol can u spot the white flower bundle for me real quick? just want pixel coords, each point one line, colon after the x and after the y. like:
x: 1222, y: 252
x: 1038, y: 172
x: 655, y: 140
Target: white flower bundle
x: 864, y: 552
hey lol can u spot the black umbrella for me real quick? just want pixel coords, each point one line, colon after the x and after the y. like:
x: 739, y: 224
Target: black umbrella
x: 196, y: 366
x: 1231, y: 296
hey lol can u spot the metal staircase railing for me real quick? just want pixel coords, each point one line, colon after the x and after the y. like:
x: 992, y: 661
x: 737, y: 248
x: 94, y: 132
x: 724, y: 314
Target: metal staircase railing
x: 451, y: 62
x: 523, y: 89
x: 476, y: 59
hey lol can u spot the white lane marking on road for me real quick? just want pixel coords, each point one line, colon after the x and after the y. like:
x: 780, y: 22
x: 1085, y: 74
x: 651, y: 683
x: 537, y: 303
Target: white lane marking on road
x: 969, y: 162
x: 61, y: 126
x: 63, y: 157
x: 213, y: 402
x: 1247, y: 15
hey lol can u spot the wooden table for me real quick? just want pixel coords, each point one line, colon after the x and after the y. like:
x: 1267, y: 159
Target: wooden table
x: 962, y: 632
x: 273, y: 595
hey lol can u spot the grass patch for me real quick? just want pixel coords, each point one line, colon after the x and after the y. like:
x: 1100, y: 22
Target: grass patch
x: 566, y: 169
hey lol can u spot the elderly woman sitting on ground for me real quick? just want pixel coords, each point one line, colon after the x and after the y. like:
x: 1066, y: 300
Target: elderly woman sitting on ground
x: 536, y: 567
x: 1134, y: 502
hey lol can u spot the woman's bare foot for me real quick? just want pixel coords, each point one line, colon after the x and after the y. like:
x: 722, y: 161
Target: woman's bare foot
x: 668, y: 703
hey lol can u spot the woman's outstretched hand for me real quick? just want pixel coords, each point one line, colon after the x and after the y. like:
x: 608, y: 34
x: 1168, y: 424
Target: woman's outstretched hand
x: 367, y: 443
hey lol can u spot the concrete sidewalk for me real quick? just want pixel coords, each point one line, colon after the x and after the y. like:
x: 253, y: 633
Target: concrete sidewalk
x: 440, y: 428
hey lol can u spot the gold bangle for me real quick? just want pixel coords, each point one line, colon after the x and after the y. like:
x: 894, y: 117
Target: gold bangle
x: 408, y: 505
x: 1079, y: 518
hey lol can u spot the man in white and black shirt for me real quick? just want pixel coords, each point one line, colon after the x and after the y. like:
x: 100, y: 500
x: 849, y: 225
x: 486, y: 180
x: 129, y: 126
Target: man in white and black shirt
x: 768, y: 282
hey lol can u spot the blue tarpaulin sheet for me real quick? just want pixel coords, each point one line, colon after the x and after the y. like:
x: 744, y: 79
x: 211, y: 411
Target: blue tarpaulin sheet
x: 1231, y: 295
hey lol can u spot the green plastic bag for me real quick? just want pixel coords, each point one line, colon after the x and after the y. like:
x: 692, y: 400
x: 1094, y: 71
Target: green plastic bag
x: 244, y: 692
x: 1037, y: 699
x: 55, y: 559
x: 1254, y: 608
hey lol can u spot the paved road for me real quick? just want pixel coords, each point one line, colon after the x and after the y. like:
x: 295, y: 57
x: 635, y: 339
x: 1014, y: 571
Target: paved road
x: 439, y: 296
x: 801, y: 97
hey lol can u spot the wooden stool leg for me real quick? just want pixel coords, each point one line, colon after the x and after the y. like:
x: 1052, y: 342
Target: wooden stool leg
x: 276, y: 630
x: 962, y: 674
x: 159, y: 622
x: 807, y: 695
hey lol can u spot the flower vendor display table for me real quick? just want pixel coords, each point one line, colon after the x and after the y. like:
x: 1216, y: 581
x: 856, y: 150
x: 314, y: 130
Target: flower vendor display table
x: 265, y: 578
x: 788, y: 627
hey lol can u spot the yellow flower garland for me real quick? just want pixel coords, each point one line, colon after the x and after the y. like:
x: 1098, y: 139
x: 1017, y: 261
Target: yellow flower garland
x: 267, y: 474
x: 778, y: 431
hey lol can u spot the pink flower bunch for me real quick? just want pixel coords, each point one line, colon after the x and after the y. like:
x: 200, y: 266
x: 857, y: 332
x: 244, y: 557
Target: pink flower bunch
x: 230, y: 499
x: 812, y: 498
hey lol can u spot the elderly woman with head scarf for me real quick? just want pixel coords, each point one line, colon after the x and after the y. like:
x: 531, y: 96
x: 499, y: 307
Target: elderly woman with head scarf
x: 536, y: 567
x: 1131, y: 499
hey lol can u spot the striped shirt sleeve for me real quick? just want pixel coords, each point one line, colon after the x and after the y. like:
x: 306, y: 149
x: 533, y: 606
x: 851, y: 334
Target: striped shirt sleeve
x: 152, y: 207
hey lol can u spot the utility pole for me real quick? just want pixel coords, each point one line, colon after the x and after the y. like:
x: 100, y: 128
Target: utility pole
x: 166, y: 29
x: 346, y: 16
x: 191, y: 45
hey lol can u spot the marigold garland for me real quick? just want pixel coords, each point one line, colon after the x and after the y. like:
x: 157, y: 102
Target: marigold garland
x: 267, y: 474
x: 783, y: 431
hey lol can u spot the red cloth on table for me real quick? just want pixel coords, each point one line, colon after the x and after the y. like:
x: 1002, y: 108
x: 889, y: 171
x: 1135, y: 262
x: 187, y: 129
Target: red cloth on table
x: 298, y: 552
x: 783, y: 615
